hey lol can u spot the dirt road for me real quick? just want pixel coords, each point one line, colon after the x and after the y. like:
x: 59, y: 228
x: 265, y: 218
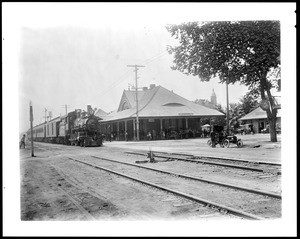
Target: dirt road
x: 55, y: 188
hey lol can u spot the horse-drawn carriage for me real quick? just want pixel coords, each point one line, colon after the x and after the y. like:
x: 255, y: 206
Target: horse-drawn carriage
x: 220, y: 137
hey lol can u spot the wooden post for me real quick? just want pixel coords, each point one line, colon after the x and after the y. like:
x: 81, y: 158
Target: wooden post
x: 31, y: 128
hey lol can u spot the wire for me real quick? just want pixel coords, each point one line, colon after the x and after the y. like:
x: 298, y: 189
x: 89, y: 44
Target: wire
x: 114, y: 84
x: 155, y: 57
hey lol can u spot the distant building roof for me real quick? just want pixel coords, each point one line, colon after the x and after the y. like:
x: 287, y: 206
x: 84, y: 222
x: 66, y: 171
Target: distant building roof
x: 100, y: 113
x: 158, y: 102
x: 258, y: 113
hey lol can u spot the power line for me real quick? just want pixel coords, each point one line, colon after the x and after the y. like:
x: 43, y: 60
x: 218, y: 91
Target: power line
x: 120, y: 79
x: 125, y: 75
x: 155, y: 57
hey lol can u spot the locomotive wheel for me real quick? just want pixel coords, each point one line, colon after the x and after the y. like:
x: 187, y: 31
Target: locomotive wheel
x: 226, y: 143
x: 209, y: 143
x: 239, y: 143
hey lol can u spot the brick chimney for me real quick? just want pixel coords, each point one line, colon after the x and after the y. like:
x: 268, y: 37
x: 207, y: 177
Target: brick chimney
x: 152, y: 86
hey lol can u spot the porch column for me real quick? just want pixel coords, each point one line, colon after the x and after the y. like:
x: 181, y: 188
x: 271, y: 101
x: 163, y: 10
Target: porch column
x: 118, y: 131
x: 125, y: 133
x: 161, y: 125
x: 186, y: 123
x: 146, y: 126
x: 134, y: 130
x: 126, y: 125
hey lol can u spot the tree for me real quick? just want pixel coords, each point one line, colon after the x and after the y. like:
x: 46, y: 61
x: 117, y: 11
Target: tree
x: 242, y: 52
x: 248, y: 103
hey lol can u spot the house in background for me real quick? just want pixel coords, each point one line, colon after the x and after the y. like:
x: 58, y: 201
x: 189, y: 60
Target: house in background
x: 258, y: 118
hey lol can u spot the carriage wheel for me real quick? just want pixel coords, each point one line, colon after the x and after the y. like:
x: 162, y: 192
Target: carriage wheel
x: 226, y: 143
x: 209, y: 143
x: 239, y: 143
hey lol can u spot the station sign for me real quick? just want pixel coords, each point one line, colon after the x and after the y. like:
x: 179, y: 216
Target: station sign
x: 185, y: 114
x: 264, y: 104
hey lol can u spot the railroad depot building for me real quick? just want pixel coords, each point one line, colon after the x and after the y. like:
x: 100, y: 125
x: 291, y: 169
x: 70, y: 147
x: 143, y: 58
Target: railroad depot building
x: 161, y: 112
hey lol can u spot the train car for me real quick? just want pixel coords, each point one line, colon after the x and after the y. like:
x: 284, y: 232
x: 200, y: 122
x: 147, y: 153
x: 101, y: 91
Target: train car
x: 38, y: 133
x: 52, y: 130
x: 65, y: 125
x: 75, y: 128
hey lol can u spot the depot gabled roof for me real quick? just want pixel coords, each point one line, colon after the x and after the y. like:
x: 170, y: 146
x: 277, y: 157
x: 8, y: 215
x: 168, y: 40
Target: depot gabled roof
x: 258, y: 113
x: 158, y: 102
x: 129, y: 98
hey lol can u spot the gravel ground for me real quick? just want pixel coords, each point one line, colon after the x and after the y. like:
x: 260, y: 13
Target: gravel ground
x: 56, y: 189
x: 256, y: 147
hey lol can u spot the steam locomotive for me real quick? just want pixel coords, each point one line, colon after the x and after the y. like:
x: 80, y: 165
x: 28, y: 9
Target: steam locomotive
x: 78, y: 128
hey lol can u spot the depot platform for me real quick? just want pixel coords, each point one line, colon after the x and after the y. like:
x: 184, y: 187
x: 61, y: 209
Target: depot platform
x: 257, y: 148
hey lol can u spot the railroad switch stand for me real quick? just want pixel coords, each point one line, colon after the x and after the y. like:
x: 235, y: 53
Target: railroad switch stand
x: 151, y: 156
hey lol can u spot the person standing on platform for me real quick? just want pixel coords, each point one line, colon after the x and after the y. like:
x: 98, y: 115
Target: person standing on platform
x: 213, y: 138
x: 22, y: 142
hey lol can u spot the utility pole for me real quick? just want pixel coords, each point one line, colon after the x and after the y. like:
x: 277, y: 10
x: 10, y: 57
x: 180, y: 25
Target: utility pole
x: 45, y: 115
x: 50, y: 115
x: 137, y: 102
x: 66, y: 108
x: 227, y: 111
x: 31, y: 127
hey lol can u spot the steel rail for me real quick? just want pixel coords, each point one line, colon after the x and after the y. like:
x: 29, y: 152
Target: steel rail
x: 218, y: 158
x: 205, y: 162
x: 228, y: 159
x: 188, y: 196
x: 85, y: 212
x: 273, y: 195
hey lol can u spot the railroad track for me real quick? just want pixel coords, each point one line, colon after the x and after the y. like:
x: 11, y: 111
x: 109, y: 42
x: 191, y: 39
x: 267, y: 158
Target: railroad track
x: 264, y: 204
x: 89, y: 201
x: 257, y: 166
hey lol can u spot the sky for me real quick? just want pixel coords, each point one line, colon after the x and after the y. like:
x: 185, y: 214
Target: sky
x: 78, y: 55
x: 80, y: 65
x: 75, y: 54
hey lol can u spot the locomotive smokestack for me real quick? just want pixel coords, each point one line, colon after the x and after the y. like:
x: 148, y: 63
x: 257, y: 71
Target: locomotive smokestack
x: 78, y: 113
x: 89, y: 109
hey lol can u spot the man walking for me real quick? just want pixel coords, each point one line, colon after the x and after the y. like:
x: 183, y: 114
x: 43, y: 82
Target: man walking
x: 22, y: 142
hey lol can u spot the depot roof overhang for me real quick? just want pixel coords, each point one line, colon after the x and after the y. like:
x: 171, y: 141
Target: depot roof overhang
x: 183, y: 116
